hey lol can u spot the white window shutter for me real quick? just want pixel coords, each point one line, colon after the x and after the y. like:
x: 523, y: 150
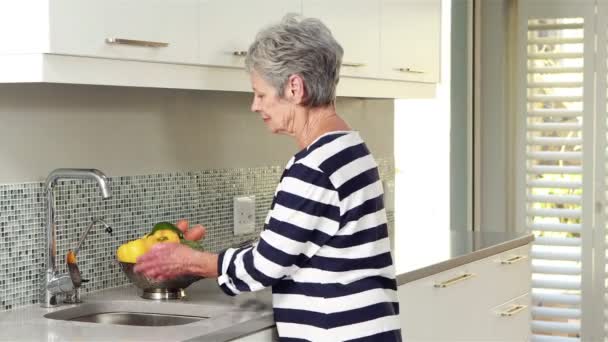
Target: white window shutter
x: 600, y: 324
x: 555, y: 193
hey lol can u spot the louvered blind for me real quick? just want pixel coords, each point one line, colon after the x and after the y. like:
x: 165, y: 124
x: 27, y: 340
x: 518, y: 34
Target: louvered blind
x: 554, y: 136
x: 600, y: 269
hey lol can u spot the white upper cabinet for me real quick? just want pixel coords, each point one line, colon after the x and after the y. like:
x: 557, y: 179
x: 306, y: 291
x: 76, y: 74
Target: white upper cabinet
x: 355, y: 24
x: 410, y: 40
x: 227, y: 27
x: 150, y: 30
x: 202, y: 44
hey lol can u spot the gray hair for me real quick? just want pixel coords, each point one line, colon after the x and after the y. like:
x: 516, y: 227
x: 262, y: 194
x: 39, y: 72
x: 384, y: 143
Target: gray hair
x: 299, y: 46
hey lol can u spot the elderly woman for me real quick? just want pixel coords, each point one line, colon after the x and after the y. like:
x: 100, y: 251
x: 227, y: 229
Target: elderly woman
x: 325, y: 249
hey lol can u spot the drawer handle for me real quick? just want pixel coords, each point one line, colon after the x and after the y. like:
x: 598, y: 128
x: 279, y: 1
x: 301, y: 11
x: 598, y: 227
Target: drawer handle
x: 514, y: 259
x: 410, y: 70
x: 132, y: 42
x: 455, y: 280
x: 354, y: 65
x: 240, y: 53
x: 514, y: 310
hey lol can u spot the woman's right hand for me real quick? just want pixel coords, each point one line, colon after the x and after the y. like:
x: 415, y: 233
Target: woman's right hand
x: 194, y: 233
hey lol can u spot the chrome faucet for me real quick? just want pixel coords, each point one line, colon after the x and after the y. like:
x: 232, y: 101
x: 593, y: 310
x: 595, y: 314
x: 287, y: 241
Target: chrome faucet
x: 54, y: 283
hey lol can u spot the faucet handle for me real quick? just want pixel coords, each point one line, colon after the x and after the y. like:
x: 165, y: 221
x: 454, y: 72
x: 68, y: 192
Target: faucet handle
x: 73, y: 269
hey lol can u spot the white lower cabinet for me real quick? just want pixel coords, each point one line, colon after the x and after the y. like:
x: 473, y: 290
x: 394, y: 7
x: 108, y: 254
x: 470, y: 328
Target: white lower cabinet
x: 485, y: 300
x: 266, y: 335
x: 510, y: 321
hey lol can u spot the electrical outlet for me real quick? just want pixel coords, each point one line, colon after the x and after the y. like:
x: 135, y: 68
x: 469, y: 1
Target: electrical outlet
x: 244, y: 215
x: 389, y: 195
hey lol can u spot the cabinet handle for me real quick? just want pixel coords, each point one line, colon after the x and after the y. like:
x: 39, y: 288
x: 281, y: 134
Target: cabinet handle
x: 455, y: 280
x: 132, y: 42
x: 410, y: 70
x: 513, y: 260
x: 240, y: 53
x: 354, y: 65
x: 514, y: 310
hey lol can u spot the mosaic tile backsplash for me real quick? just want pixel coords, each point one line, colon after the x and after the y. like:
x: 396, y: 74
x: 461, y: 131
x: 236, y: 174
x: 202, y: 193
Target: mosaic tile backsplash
x: 137, y: 203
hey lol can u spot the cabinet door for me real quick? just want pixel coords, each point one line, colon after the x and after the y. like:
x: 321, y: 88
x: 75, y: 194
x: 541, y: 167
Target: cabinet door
x: 228, y: 27
x: 410, y: 40
x: 355, y: 25
x: 150, y: 30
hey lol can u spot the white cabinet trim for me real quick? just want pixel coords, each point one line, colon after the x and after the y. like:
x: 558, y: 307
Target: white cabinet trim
x: 48, y: 68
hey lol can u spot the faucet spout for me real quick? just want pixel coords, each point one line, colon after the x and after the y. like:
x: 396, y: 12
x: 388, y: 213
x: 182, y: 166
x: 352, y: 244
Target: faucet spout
x: 107, y: 227
x: 53, y: 283
x: 92, y: 174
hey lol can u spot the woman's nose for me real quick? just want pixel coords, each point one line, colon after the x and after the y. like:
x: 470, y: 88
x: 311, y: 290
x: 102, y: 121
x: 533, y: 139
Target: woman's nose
x: 255, y: 106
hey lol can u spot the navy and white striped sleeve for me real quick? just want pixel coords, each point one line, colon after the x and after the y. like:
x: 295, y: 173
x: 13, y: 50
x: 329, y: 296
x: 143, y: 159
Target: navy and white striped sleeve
x: 305, y: 215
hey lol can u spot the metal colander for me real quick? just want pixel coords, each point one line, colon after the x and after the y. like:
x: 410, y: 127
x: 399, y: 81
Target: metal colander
x: 148, y: 284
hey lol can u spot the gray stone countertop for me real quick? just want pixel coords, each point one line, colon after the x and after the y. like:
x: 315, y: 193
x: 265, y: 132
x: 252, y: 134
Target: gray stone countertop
x: 230, y: 317
x: 453, y: 250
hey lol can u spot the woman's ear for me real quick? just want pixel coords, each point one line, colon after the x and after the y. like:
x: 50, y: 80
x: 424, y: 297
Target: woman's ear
x: 295, y: 90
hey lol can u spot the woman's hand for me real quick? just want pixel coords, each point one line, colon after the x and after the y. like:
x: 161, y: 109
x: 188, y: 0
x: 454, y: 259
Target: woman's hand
x: 165, y: 261
x: 170, y: 260
x: 193, y: 233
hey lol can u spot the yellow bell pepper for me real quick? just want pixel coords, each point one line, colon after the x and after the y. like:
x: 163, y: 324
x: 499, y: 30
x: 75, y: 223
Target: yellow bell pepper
x: 130, y: 251
x: 162, y: 236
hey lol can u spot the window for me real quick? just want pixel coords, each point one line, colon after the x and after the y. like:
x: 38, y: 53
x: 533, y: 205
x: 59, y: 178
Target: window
x: 561, y: 160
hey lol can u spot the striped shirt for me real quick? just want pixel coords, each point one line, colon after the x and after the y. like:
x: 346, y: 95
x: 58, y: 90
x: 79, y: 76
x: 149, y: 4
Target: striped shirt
x: 325, y: 248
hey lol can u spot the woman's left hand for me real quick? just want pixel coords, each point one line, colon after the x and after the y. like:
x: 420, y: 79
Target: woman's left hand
x: 167, y: 260
x: 194, y: 233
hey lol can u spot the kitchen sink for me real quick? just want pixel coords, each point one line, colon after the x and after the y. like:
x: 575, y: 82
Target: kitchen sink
x: 135, y: 313
x: 137, y: 318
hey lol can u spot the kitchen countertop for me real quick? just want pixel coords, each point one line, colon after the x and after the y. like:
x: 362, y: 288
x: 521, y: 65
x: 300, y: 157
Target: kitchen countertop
x: 231, y: 317
x: 453, y: 250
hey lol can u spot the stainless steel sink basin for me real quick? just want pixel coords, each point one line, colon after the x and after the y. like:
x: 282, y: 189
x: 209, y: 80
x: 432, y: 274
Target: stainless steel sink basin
x: 138, y: 318
x: 136, y: 313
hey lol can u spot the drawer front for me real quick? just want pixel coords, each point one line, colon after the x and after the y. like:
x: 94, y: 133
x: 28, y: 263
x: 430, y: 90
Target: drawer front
x: 510, y: 321
x: 149, y: 30
x: 461, y: 303
x: 511, y: 272
x: 442, y: 306
x: 503, y: 276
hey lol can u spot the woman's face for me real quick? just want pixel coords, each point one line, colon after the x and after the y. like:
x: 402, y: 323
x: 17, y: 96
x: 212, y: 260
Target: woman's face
x: 277, y: 112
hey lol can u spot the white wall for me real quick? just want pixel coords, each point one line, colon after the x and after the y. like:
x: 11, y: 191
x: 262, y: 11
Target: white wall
x: 129, y: 131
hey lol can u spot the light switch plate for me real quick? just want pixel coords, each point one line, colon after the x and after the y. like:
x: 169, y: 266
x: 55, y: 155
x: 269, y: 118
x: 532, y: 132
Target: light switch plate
x: 244, y: 215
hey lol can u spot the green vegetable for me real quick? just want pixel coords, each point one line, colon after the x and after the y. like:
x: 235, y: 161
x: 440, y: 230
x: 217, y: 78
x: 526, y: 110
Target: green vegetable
x: 192, y: 244
x: 166, y: 226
